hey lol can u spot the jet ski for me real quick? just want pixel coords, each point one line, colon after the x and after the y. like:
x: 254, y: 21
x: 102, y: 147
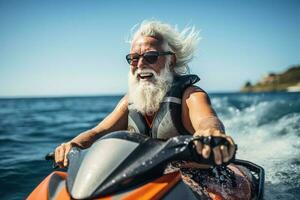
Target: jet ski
x: 123, y: 165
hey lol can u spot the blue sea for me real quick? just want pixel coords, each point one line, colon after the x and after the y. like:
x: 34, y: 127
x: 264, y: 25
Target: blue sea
x: 266, y: 127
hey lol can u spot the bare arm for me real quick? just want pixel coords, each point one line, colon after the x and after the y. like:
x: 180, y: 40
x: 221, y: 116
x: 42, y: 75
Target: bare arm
x: 116, y: 120
x: 199, y: 118
x: 198, y: 115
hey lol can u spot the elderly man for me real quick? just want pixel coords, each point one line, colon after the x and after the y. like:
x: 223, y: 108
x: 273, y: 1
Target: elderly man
x: 162, y: 100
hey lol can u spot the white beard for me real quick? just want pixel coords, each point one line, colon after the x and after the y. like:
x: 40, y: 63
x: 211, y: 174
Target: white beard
x: 146, y: 97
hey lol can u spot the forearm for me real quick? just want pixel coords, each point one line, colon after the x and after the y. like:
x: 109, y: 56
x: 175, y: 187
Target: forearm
x: 211, y: 124
x: 115, y: 121
x: 86, y: 138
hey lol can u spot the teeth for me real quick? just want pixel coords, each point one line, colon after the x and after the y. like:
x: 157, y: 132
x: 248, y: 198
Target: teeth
x: 146, y: 74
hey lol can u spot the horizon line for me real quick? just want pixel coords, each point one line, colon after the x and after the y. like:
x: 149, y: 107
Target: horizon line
x: 89, y: 95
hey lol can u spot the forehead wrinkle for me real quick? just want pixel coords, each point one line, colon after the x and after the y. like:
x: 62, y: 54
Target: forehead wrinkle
x: 143, y: 44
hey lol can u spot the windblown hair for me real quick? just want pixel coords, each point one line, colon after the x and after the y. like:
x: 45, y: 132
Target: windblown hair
x: 183, y: 43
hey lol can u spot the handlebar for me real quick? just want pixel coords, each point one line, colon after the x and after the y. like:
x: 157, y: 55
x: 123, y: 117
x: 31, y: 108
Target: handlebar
x: 50, y: 156
x: 212, y: 141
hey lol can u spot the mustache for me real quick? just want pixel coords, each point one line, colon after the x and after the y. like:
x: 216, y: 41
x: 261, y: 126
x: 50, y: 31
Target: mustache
x: 146, y: 70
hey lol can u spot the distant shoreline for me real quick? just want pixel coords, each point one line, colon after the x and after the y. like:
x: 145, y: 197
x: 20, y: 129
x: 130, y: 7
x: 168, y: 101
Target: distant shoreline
x: 288, y: 81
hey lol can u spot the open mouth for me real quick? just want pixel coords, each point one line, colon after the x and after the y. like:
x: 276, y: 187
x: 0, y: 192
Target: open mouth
x: 145, y: 75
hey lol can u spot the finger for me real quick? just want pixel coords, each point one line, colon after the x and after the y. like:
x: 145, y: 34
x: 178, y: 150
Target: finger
x: 231, y: 151
x: 67, y: 149
x: 57, y: 158
x: 217, y: 155
x: 224, y: 152
x: 206, y: 151
x: 231, y: 147
x: 198, y: 146
x: 56, y: 154
x: 230, y: 140
x: 60, y: 158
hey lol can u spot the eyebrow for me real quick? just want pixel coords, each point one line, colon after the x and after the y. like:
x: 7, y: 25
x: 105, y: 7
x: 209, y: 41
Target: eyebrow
x: 145, y: 50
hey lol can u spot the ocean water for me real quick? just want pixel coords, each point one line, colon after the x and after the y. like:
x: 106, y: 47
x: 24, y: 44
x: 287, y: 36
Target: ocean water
x: 266, y: 128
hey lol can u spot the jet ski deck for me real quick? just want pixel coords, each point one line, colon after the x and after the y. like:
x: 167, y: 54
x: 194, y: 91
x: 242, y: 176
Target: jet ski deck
x: 124, y: 165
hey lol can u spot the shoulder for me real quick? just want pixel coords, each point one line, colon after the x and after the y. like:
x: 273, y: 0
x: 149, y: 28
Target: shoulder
x: 194, y: 94
x: 123, y: 104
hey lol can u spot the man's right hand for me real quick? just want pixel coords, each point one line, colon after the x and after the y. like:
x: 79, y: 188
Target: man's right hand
x: 61, y: 153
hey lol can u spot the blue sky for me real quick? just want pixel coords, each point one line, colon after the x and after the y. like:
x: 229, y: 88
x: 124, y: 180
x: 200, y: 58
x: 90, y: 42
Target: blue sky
x: 57, y: 48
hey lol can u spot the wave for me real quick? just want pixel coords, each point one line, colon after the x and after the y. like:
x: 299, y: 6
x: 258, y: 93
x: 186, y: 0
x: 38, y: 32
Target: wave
x: 267, y: 131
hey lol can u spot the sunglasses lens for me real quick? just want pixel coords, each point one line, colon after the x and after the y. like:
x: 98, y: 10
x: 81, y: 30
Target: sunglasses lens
x: 128, y: 58
x: 132, y: 58
x: 151, y: 57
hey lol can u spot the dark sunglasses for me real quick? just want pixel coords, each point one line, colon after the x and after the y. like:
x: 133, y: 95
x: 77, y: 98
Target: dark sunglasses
x: 150, y: 56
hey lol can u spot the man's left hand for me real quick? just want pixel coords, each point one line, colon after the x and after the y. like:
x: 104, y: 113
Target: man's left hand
x: 222, y: 153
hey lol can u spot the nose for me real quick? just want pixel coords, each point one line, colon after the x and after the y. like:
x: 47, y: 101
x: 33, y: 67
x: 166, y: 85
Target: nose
x: 141, y: 63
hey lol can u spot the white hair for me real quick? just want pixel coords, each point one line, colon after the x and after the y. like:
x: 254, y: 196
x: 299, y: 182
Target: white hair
x: 146, y: 97
x: 183, y: 43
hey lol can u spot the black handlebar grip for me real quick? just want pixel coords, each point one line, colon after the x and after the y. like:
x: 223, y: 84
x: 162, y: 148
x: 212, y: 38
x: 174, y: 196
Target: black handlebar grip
x: 212, y: 142
x: 50, y: 156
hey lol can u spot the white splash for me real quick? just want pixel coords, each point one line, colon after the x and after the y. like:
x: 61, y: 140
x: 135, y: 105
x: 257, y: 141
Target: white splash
x: 267, y: 133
